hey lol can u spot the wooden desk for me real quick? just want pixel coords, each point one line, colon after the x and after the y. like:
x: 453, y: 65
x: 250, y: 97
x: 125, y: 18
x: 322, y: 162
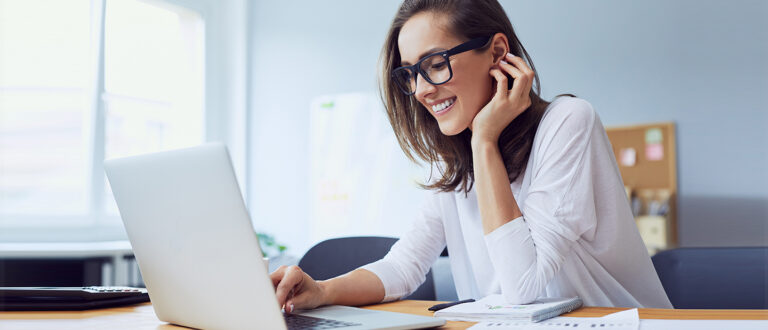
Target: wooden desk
x: 420, y: 307
x: 143, y: 317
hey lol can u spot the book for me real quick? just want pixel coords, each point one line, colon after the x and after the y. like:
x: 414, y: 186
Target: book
x: 495, y: 307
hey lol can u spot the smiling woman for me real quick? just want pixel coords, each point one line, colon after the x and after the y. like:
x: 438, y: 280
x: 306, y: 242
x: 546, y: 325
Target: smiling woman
x: 528, y: 198
x: 417, y: 132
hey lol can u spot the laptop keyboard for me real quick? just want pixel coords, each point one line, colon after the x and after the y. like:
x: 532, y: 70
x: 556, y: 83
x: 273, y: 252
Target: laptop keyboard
x: 307, y: 322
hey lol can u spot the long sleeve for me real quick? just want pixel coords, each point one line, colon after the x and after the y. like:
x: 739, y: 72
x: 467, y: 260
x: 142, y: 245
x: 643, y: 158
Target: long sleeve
x: 557, y: 208
x: 404, y: 268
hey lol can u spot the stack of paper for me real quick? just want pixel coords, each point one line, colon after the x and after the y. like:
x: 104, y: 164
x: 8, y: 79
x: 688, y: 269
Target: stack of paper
x: 494, y: 307
x: 625, y: 320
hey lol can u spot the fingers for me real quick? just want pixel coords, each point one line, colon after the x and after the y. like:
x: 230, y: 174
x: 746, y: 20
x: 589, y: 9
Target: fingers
x: 501, y: 82
x: 516, y: 74
x: 526, y: 74
x: 297, y: 301
x: 509, y: 68
x: 290, y: 301
x: 290, y: 282
x: 277, y: 275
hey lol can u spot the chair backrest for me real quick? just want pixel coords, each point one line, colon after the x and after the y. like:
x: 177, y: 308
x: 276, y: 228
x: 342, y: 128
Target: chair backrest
x: 337, y: 256
x: 715, y: 278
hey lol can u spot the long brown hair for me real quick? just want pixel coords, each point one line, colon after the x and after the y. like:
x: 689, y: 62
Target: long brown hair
x: 417, y: 131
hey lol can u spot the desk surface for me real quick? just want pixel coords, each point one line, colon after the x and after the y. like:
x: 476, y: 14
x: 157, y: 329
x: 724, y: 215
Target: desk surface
x: 143, y: 317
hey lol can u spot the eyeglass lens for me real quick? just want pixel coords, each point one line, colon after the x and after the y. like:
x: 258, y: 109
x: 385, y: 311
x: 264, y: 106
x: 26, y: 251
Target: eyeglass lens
x: 435, y: 69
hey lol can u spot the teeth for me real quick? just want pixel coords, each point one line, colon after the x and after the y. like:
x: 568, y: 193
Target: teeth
x: 442, y: 106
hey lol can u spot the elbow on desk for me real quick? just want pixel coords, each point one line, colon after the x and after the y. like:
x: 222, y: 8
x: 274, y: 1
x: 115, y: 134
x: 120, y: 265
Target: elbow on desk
x: 522, y: 291
x: 517, y: 297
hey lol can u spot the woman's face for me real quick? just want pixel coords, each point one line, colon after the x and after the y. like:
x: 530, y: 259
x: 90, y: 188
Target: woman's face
x: 470, y: 88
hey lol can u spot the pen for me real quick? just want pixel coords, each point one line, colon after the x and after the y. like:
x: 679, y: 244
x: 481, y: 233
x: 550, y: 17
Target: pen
x: 438, y: 307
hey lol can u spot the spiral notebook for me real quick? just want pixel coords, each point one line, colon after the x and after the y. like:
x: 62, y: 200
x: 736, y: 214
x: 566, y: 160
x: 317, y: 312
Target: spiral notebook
x: 494, y: 307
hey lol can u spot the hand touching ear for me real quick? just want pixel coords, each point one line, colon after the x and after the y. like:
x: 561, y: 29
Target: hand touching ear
x: 506, y: 104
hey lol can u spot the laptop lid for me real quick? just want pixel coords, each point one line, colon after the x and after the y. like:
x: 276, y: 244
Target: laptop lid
x: 193, y: 240
x: 198, y: 254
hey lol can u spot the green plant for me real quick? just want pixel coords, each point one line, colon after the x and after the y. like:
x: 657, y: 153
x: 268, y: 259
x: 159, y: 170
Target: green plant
x: 270, y: 247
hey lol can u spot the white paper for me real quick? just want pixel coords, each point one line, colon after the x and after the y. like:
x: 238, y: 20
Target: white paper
x: 703, y: 324
x: 624, y: 320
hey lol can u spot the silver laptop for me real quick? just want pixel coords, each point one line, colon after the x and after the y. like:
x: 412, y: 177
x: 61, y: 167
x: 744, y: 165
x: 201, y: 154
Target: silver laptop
x: 198, y: 253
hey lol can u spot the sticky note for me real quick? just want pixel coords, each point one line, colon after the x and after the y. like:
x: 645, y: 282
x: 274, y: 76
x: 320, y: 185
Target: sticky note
x: 653, y: 136
x: 627, y: 157
x: 654, y: 151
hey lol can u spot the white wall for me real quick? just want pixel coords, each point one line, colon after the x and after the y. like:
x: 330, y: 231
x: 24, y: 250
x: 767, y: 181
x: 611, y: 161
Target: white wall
x: 301, y: 50
x: 701, y: 64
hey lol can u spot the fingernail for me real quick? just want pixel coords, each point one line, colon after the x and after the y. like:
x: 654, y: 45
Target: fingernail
x: 291, y: 308
x: 503, y: 61
x: 510, y: 55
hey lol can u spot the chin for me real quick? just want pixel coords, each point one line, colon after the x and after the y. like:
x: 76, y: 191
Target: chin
x: 451, y: 129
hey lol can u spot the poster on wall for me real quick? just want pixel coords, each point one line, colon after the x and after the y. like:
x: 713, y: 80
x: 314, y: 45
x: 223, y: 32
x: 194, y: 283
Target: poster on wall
x: 361, y: 182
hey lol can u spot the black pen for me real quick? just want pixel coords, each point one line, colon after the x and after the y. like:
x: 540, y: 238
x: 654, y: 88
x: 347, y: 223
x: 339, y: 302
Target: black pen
x: 438, y: 307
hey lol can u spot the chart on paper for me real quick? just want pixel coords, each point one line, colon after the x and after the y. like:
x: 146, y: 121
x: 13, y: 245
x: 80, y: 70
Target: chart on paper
x: 625, y: 320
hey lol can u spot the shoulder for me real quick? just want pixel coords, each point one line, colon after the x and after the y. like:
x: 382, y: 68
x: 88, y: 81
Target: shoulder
x: 570, y: 113
x: 567, y: 125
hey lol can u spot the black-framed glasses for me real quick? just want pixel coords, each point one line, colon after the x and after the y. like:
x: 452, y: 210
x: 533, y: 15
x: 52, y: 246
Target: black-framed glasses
x: 435, y: 67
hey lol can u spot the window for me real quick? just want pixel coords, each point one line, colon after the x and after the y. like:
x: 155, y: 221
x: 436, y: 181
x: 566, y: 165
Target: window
x: 153, y: 80
x: 44, y: 50
x: 79, y: 84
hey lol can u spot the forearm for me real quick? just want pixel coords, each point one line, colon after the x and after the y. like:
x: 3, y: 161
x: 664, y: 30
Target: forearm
x: 358, y: 287
x: 494, y: 196
x: 520, y: 279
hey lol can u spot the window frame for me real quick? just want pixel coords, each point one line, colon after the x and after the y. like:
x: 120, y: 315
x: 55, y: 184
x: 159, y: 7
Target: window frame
x: 224, y: 108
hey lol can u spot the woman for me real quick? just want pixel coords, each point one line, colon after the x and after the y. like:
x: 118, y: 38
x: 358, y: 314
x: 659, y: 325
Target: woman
x: 529, y: 202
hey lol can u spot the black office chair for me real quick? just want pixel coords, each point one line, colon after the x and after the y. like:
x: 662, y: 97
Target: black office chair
x: 715, y: 278
x: 337, y: 256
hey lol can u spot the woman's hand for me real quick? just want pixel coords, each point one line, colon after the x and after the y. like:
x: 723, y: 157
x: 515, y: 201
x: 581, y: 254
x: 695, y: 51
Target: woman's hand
x: 506, y: 104
x: 295, y: 289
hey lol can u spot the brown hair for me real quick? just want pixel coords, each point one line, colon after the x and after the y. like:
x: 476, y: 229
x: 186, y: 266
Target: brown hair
x: 417, y: 131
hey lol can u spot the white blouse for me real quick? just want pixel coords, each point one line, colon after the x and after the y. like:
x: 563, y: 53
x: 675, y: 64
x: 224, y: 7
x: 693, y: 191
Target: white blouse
x: 577, y: 236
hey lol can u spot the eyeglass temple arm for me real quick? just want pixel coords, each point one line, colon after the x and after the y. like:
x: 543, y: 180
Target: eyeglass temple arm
x: 469, y: 45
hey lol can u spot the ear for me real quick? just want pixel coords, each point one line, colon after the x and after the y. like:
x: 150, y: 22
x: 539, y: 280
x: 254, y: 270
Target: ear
x: 499, y: 47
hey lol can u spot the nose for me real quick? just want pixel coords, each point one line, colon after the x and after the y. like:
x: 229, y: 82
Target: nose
x: 423, y: 87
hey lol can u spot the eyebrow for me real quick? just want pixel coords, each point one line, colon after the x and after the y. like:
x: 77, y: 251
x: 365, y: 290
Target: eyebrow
x: 425, y: 53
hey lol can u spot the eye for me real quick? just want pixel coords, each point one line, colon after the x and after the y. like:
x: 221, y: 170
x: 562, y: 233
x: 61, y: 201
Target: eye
x: 404, y: 74
x: 438, y: 65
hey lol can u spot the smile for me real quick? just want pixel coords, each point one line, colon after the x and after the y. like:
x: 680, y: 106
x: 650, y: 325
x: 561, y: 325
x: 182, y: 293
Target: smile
x: 443, y: 107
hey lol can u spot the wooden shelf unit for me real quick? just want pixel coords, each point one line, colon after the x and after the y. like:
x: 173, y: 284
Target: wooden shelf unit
x: 647, y: 175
